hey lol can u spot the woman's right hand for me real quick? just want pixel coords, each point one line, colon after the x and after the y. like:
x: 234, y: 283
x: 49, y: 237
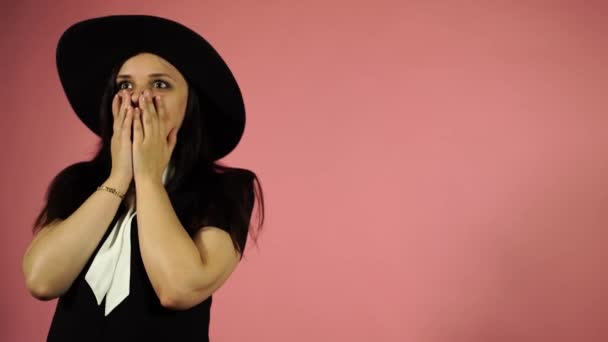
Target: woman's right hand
x: 122, y: 160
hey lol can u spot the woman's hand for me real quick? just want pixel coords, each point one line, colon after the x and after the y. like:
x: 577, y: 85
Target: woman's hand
x: 121, y: 146
x: 152, y: 147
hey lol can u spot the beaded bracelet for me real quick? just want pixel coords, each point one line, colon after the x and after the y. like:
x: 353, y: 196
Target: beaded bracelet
x: 112, y: 190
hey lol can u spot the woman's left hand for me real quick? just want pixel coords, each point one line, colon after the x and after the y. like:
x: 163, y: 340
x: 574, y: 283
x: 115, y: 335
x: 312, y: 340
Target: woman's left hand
x: 152, y: 148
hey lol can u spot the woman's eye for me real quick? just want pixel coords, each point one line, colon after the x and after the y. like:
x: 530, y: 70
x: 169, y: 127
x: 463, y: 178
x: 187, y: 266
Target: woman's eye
x: 164, y: 84
x: 120, y: 85
x: 157, y: 84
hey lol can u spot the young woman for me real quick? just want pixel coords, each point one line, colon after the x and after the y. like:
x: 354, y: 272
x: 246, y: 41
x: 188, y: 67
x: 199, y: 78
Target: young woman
x: 135, y: 241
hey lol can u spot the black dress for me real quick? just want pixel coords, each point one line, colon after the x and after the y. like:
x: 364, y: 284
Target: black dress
x: 139, y: 317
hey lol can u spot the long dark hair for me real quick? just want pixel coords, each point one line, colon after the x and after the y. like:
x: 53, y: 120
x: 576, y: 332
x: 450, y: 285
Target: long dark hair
x: 202, y: 191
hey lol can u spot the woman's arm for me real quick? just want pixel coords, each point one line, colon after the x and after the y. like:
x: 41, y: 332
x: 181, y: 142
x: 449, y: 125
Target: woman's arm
x: 183, y: 272
x: 60, y: 250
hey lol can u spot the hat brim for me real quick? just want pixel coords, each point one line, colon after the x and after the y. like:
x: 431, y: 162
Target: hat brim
x: 88, y: 50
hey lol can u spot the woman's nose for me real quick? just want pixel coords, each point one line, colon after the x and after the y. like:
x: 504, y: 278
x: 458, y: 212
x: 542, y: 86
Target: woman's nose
x: 135, y: 97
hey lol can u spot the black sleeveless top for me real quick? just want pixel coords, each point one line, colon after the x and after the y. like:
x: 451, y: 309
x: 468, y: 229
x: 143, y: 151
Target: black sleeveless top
x: 139, y: 317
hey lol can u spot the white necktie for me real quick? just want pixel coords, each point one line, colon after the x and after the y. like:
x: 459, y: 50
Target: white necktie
x: 110, y: 271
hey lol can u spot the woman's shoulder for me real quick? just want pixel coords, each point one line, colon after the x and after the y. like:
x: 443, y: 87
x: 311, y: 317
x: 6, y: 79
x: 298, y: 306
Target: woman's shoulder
x: 232, y: 171
x: 80, y: 168
x: 80, y: 175
x: 232, y: 177
x: 236, y: 186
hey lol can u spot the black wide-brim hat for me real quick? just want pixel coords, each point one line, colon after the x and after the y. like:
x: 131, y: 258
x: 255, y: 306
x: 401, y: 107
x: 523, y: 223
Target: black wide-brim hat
x: 88, y: 51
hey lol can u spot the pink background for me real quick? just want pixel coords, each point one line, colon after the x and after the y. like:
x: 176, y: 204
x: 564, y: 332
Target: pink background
x: 433, y: 170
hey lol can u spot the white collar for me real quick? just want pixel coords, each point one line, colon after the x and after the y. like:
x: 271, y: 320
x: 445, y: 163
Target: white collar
x: 109, y: 273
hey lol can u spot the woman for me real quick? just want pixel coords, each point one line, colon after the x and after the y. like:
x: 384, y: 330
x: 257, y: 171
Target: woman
x: 135, y: 241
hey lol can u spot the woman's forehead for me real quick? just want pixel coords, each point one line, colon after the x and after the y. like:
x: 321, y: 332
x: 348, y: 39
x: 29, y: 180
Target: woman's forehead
x: 147, y: 62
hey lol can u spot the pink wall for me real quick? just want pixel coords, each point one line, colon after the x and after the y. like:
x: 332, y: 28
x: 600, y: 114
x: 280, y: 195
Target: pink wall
x: 432, y: 172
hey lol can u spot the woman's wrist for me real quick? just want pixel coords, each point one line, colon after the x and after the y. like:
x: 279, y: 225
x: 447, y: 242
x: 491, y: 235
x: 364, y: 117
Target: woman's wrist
x: 120, y: 184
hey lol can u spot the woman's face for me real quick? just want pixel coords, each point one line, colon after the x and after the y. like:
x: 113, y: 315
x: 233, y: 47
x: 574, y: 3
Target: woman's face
x: 149, y: 71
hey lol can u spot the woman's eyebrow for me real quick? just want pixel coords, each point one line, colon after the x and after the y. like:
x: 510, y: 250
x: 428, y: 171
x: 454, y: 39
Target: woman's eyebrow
x: 150, y: 76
